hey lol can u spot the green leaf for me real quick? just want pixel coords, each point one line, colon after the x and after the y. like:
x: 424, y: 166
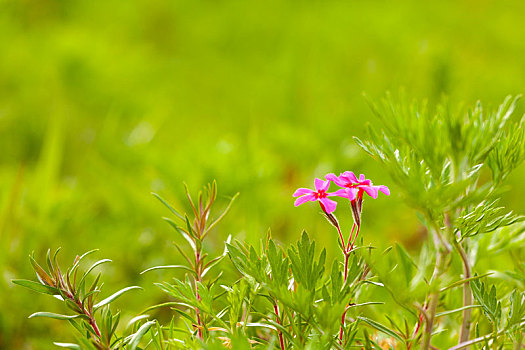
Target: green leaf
x: 407, y: 263
x: 41, y: 273
x: 57, y: 316
x: 37, y: 287
x: 165, y: 267
x: 79, y: 260
x: 168, y: 206
x: 382, y: 328
x: 114, y: 296
x: 208, y: 229
x: 91, y: 269
x: 169, y: 303
x: 439, y: 314
x: 488, y: 301
x: 177, y: 228
x: 463, y: 281
x: 485, y: 217
x: 68, y: 346
x: 136, y: 338
x: 136, y: 319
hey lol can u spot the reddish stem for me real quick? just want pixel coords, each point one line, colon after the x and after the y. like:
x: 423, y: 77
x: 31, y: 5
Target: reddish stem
x: 351, y: 234
x: 418, y: 326
x: 342, y: 327
x: 276, y: 309
x: 355, y: 238
x: 91, y: 317
x: 198, y: 278
x: 341, y: 237
x: 347, y: 257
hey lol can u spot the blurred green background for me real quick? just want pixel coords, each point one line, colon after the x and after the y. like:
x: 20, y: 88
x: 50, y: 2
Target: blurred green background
x: 102, y: 102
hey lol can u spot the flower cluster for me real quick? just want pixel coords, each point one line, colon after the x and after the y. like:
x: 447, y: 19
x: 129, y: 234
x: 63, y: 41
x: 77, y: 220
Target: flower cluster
x: 352, y: 188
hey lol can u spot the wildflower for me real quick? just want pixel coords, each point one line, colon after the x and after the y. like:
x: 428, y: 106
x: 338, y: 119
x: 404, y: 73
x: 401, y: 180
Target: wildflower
x: 353, y: 189
x: 320, y: 194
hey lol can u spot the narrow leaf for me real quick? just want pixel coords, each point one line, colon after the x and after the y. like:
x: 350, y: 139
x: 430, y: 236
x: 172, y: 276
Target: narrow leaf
x: 56, y: 316
x: 135, y: 340
x: 114, y: 296
x: 37, y: 287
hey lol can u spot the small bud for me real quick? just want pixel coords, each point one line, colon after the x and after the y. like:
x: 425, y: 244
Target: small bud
x: 357, y: 208
x: 331, y: 218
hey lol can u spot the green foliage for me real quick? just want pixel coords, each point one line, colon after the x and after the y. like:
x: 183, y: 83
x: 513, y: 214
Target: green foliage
x: 81, y: 299
x: 436, y: 155
x: 483, y: 218
x: 488, y: 300
x: 285, y: 297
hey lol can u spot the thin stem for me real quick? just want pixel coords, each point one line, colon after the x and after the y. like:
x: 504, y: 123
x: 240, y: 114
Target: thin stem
x: 482, y: 339
x: 442, y: 252
x: 198, y: 278
x: 350, y: 239
x: 517, y: 343
x: 342, y: 326
x: 467, y: 293
x: 346, y: 253
x: 418, y: 325
x: 341, y: 237
x: 347, y: 257
x: 355, y: 238
x: 494, y: 337
x: 276, y: 310
x: 91, y: 317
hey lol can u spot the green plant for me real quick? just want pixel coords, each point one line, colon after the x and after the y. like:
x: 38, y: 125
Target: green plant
x: 92, y: 318
x: 450, y: 165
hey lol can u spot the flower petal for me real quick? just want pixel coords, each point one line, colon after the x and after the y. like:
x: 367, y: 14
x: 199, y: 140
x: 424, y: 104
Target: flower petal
x: 349, y: 193
x: 329, y: 205
x: 384, y: 189
x: 302, y: 191
x: 370, y: 190
x: 304, y: 199
x: 334, y: 178
x: 321, y: 185
x: 362, y: 178
x: 350, y: 176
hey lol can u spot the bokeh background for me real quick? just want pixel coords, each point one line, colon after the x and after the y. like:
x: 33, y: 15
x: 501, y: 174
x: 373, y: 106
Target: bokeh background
x: 103, y: 102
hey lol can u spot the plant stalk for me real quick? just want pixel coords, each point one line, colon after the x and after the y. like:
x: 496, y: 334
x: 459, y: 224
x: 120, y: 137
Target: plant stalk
x: 346, y: 253
x: 464, y: 334
x: 484, y: 338
x: 276, y: 310
x: 92, y: 322
x: 518, y: 342
x: 442, y: 252
x: 198, y: 278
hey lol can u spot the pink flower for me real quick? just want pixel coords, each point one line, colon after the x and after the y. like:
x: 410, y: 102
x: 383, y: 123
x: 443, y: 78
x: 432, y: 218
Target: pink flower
x: 353, y: 189
x: 320, y: 194
x: 356, y: 186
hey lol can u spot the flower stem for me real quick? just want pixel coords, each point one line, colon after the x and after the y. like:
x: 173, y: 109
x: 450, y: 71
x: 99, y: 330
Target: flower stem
x: 354, y: 239
x: 341, y: 237
x: 346, y: 253
x: 276, y: 310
